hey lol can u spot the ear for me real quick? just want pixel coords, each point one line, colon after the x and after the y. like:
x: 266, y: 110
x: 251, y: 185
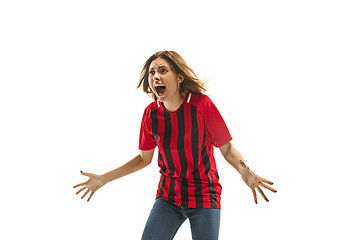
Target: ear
x: 180, y: 78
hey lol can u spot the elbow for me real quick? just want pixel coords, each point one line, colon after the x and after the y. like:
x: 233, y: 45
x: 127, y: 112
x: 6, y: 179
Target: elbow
x: 146, y: 160
x: 146, y: 156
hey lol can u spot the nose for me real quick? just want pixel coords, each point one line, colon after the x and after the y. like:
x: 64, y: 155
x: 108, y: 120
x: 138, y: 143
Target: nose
x: 157, y: 76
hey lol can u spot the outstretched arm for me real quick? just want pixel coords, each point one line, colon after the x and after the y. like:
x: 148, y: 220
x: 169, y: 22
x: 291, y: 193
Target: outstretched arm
x: 254, y: 181
x: 97, y: 181
x: 139, y: 162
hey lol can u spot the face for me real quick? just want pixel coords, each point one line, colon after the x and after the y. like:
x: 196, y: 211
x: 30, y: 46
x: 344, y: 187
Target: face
x: 164, y: 81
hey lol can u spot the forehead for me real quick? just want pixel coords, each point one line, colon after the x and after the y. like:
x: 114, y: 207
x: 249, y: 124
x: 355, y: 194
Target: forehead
x: 159, y: 62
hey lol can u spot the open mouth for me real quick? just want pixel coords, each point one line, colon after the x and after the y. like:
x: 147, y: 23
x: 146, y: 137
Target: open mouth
x: 160, y: 90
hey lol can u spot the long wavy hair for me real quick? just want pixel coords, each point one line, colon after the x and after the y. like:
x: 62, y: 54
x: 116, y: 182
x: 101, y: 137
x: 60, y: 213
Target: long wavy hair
x: 190, y: 84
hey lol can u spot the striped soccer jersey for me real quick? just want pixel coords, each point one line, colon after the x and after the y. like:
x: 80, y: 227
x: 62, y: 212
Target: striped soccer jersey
x: 185, y: 140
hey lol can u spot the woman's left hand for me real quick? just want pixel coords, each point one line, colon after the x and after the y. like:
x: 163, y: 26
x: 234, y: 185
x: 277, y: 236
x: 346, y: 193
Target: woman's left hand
x: 254, y: 181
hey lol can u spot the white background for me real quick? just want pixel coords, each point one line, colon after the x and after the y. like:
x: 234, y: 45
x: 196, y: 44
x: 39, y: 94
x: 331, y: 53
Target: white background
x: 284, y: 75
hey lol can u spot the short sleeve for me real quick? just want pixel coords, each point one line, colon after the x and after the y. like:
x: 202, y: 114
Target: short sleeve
x: 215, y: 124
x: 146, y: 138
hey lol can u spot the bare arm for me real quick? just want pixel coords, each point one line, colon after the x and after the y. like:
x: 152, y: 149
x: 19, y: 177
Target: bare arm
x: 254, y: 181
x: 97, y: 181
x: 233, y: 156
x: 137, y: 163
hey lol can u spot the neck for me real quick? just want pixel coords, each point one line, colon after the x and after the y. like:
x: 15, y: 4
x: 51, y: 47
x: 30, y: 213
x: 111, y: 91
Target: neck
x: 173, y: 104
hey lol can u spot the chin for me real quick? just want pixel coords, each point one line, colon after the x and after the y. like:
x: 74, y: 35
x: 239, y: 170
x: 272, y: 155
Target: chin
x: 160, y: 98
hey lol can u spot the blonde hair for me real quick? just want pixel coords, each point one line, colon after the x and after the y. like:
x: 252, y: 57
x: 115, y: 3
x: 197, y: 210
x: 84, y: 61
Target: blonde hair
x: 190, y: 84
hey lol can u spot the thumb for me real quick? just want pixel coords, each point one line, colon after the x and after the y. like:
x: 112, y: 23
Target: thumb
x: 86, y: 174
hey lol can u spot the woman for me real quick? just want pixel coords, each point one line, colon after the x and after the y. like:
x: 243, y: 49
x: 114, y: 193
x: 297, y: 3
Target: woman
x: 185, y: 125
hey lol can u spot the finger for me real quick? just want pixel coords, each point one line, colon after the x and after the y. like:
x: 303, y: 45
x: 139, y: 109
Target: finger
x: 262, y: 194
x: 87, y: 174
x: 264, y: 180
x: 92, y: 193
x: 254, y: 194
x: 267, y: 187
x: 81, y: 184
x: 86, y: 193
x: 82, y: 189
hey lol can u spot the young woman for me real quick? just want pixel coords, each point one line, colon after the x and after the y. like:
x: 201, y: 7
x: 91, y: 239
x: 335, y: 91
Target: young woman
x: 185, y: 125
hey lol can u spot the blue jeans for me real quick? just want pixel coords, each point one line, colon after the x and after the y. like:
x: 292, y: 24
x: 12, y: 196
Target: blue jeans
x: 165, y: 219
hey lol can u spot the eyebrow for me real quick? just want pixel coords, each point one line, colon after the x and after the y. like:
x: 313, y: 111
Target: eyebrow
x: 162, y: 66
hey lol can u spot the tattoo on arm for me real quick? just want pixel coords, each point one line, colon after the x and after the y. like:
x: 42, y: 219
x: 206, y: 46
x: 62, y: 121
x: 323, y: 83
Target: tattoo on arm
x: 243, y: 164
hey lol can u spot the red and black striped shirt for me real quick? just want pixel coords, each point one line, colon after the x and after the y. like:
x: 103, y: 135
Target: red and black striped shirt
x: 185, y: 140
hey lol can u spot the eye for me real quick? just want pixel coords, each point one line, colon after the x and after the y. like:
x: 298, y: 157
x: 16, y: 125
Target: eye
x: 164, y: 70
x: 152, y: 72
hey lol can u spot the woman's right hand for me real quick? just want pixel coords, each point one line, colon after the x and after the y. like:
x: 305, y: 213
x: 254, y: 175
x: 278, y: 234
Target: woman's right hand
x: 92, y: 185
